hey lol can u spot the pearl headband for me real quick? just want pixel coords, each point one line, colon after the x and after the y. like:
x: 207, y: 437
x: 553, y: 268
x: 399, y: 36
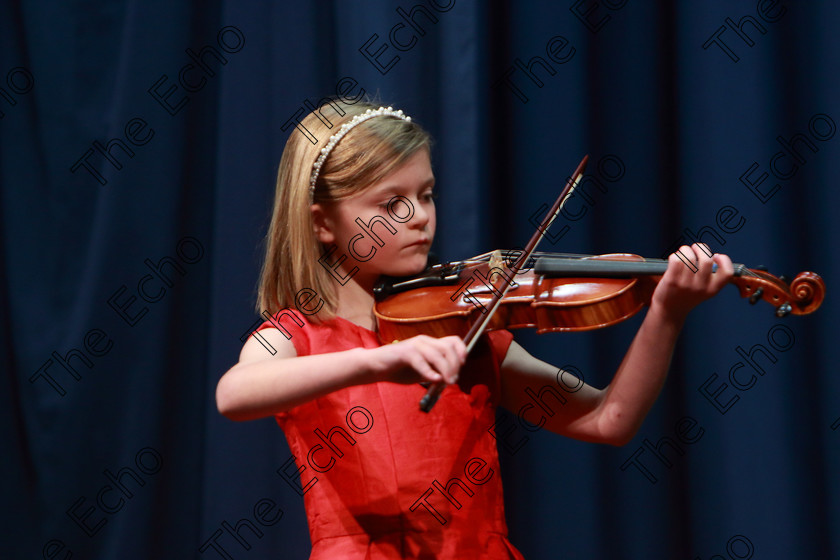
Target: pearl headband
x: 345, y: 128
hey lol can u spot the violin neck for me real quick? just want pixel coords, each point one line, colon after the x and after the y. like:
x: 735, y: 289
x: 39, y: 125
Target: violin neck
x: 605, y: 268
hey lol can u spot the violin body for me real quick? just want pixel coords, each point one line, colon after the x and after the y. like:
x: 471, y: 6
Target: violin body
x: 556, y: 295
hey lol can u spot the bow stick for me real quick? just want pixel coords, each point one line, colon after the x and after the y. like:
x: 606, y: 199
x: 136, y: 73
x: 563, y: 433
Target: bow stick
x: 432, y: 395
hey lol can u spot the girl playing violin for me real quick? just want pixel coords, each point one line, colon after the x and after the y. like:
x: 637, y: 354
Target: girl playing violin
x: 380, y: 478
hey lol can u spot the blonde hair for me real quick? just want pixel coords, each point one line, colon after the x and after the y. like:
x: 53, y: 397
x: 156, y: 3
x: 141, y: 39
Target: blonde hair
x: 363, y: 157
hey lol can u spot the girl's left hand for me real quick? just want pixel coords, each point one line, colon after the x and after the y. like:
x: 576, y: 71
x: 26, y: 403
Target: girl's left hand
x: 683, y: 288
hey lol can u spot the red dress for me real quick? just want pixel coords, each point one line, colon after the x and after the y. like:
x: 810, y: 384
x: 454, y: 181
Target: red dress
x: 380, y: 479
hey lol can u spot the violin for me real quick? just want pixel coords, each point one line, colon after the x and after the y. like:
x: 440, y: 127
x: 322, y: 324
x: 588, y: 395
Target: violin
x: 550, y: 292
x: 555, y: 293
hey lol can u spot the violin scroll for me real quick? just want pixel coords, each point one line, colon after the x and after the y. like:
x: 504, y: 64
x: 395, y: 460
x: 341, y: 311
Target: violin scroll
x: 802, y: 296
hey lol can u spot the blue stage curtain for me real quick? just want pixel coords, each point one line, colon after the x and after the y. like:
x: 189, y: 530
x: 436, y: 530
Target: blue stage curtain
x: 139, y: 144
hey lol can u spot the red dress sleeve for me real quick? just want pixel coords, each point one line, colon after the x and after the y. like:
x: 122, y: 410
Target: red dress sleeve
x: 295, y: 326
x: 499, y: 344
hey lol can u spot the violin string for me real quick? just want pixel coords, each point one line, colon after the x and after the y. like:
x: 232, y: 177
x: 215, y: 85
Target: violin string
x: 740, y: 269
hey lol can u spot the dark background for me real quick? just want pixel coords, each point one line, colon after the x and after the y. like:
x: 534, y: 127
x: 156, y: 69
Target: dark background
x: 685, y: 122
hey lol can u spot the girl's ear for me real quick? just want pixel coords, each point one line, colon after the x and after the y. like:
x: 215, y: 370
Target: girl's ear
x: 322, y: 225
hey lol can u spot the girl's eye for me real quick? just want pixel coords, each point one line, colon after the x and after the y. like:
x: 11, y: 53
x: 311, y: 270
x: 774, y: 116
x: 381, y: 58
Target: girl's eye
x: 429, y: 196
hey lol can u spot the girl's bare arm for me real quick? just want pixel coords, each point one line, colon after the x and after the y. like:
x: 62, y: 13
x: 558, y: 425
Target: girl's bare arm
x: 261, y: 385
x: 614, y: 414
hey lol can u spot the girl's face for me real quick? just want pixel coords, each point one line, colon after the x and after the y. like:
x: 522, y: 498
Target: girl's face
x: 377, y: 241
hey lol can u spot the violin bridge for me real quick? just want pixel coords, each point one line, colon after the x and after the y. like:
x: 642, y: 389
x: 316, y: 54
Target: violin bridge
x: 496, y: 261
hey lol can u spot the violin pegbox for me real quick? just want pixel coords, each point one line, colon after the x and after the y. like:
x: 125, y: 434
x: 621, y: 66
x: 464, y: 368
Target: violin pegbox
x: 802, y: 296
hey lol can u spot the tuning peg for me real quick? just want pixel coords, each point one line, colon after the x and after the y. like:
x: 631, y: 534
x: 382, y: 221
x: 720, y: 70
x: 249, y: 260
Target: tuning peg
x: 783, y: 310
x: 761, y: 267
x: 784, y: 279
x: 756, y: 296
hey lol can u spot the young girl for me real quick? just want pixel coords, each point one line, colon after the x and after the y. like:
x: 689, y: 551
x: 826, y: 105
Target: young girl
x: 380, y: 478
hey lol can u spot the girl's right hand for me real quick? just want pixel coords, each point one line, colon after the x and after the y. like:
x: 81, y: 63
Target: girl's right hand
x: 418, y: 359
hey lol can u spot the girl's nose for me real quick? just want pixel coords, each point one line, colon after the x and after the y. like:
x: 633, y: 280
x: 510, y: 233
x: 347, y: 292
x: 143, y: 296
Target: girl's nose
x: 421, y: 215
